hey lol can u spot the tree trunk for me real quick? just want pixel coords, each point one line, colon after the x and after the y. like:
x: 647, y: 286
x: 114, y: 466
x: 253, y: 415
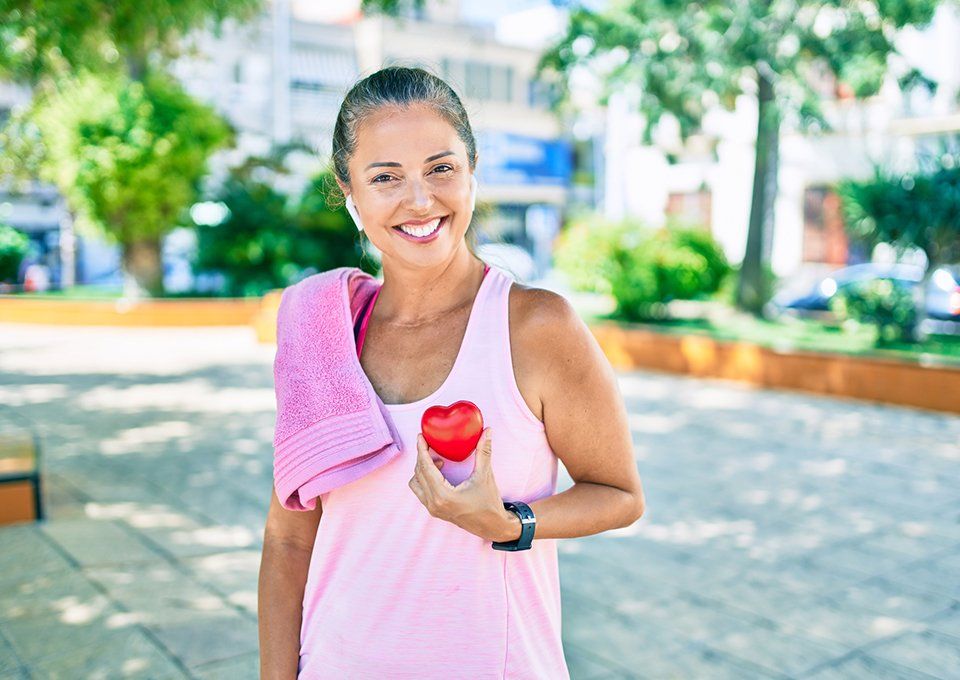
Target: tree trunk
x: 752, y: 292
x: 143, y: 268
x: 920, y: 332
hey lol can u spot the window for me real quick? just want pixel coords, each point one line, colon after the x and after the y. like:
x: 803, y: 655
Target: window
x: 501, y: 85
x: 540, y: 94
x: 478, y: 80
x: 453, y: 73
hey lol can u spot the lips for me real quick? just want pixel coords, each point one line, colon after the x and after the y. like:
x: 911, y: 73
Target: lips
x: 425, y: 239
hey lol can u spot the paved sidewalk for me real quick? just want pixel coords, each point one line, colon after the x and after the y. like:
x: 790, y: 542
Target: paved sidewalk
x: 786, y: 535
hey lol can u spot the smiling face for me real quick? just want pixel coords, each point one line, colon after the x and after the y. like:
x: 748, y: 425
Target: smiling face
x: 410, y: 168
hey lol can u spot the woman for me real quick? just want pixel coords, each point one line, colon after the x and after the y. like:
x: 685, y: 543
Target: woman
x: 402, y: 580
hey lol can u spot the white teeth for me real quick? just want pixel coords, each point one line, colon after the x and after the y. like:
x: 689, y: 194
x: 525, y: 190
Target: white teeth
x: 423, y: 230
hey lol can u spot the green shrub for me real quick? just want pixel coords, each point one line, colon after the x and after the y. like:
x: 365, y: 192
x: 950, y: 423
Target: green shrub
x: 14, y: 246
x: 882, y: 303
x: 642, y: 269
x: 584, y: 252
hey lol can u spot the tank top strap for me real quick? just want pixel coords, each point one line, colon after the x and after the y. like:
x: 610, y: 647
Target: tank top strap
x: 487, y: 343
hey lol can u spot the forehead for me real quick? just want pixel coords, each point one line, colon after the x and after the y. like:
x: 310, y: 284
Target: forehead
x: 392, y: 133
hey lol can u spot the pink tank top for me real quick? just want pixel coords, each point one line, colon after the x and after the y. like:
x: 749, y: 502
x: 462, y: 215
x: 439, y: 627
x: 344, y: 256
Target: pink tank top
x: 393, y: 592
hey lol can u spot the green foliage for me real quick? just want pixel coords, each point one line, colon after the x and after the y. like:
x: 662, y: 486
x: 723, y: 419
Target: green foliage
x: 128, y: 155
x: 14, y: 246
x: 668, y: 264
x: 881, y: 303
x: 686, y: 57
x: 909, y: 209
x: 584, y: 251
x: 269, y: 240
x: 56, y: 37
x: 683, y: 59
x: 642, y: 269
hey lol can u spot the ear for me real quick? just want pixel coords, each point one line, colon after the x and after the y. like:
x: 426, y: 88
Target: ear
x: 343, y: 187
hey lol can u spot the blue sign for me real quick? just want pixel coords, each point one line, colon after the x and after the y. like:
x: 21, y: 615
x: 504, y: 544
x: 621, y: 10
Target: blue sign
x: 507, y: 158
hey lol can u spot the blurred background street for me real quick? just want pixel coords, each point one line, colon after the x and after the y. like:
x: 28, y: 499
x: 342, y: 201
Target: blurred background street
x: 785, y: 536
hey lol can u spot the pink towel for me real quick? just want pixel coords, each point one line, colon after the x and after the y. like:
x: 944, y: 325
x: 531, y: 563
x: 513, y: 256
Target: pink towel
x: 331, y: 426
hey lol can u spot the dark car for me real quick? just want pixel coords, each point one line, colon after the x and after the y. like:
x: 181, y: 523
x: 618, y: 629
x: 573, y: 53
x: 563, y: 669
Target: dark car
x: 943, y: 290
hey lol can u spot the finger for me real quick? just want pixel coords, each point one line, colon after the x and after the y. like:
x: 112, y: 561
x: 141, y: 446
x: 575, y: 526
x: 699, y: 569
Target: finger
x: 484, y: 451
x: 414, y: 485
x: 429, y: 467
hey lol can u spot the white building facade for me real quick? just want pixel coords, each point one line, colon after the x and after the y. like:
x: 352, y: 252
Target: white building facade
x: 713, y: 188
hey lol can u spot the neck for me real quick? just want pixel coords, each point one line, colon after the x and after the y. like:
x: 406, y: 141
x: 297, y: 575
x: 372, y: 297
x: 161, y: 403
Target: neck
x: 413, y: 296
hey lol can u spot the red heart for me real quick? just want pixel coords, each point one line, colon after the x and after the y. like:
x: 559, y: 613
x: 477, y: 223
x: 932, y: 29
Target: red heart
x: 452, y: 431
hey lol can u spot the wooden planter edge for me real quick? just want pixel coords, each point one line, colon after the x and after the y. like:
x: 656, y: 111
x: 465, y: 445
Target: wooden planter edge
x: 884, y: 380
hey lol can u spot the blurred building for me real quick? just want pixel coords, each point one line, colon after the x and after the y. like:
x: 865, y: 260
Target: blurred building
x: 282, y: 76
x: 708, y: 180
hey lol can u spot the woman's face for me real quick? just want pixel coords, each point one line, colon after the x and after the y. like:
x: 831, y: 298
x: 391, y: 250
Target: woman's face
x: 410, y: 166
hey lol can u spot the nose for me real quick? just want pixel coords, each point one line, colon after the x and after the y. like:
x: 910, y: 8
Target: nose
x: 419, y: 198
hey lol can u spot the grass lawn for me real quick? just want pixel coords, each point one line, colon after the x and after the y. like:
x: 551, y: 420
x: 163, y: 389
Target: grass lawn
x: 724, y: 323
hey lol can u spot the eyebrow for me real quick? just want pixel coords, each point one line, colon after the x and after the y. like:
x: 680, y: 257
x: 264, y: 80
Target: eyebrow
x: 391, y: 164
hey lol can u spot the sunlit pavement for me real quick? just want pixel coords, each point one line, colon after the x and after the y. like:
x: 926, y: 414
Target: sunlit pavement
x: 785, y: 535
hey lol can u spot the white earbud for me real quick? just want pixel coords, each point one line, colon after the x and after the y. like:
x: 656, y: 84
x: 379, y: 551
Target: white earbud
x: 352, y: 209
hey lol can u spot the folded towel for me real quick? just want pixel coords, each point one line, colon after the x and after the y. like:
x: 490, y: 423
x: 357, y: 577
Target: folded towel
x: 331, y: 427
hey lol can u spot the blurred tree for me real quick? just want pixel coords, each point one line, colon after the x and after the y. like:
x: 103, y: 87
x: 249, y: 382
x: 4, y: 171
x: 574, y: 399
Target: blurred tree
x: 916, y: 209
x: 14, y: 246
x: 127, y: 155
x: 57, y: 37
x: 269, y: 239
x: 688, y: 57
x: 103, y: 126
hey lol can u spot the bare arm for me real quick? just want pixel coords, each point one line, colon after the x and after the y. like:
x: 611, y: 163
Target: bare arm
x: 586, y: 425
x: 284, y: 563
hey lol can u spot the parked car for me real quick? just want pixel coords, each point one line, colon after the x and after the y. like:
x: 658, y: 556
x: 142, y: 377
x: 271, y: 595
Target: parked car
x: 943, y: 291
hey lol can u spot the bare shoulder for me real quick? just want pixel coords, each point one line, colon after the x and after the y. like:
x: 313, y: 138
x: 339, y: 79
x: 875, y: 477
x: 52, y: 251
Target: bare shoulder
x: 548, y: 334
x: 540, y: 311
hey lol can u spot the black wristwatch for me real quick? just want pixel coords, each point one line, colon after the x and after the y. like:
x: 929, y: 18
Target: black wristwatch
x: 528, y: 523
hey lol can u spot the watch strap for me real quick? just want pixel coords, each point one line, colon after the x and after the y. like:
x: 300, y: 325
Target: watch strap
x: 528, y: 523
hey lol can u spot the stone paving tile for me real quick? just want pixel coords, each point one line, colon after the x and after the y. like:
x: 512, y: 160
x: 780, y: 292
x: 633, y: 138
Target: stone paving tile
x: 241, y: 667
x: 830, y: 620
x: 587, y: 625
x: 158, y: 594
x: 233, y: 575
x: 60, y: 499
x: 93, y: 542
x: 859, y: 665
x: 583, y: 665
x: 206, y: 639
x: 44, y: 593
x: 888, y: 598
x: 97, y: 644
x: 10, y: 664
x: 775, y: 650
x: 25, y: 550
x: 946, y: 622
x: 703, y: 661
x: 636, y: 646
x: 935, y: 575
x: 926, y: 651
